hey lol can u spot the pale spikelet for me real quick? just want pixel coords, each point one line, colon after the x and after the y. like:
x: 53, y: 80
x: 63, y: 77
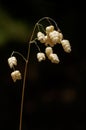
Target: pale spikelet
x: 55, y: 37
x: 66, y: 46
x: 48, y: 41
x: 41, y: 37
x: 16, y: 75
x: 40, y: 56
x: 48, y: 51
x: 60, y: 37
x: 54, y: 58
x: 49, y: 29
x: 12, y: 61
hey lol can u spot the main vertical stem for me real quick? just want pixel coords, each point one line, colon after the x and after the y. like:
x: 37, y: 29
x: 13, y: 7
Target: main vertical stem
x: 23, y: 88
x: 24, y: 80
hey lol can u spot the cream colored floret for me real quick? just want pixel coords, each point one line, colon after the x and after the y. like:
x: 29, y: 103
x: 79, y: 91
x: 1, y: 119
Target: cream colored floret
x: 49, y: 29
x: 54, y: 58
x: 66, y: 46
x: 12, y: 61
x: 40, y: 56
x: 48, y: 50
x: 16, y: 75
x: 41, y: 37
x: 55, y: 36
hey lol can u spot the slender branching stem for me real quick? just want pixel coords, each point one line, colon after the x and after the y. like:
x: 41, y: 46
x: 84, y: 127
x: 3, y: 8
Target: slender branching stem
x: 26, y: 64
x: 32, y: 40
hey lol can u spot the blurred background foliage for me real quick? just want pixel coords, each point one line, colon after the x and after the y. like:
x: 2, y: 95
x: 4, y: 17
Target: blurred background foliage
x: 12, y: 29
x: 55, y: 94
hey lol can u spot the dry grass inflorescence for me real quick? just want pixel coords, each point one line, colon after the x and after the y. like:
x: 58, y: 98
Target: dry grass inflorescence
x: 48, y: 35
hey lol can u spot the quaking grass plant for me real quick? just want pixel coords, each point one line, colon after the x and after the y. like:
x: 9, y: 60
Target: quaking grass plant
x: 46, y: 32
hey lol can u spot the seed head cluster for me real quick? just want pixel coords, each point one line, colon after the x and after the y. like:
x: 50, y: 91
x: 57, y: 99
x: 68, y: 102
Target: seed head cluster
x: 50, y: 37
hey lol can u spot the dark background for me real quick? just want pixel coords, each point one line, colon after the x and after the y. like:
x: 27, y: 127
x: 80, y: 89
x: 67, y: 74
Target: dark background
x: 54, y: 94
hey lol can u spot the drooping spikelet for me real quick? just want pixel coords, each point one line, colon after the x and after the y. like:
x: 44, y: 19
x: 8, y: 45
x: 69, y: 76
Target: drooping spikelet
x: 66, y: 45
x: 48, y: 51
x: 16, y: 75
x: 12, y: 61
x: 40, y: 56
x: 54, y: 58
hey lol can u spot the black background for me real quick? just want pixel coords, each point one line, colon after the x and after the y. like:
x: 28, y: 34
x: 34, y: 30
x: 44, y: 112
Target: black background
x: 46, y: 105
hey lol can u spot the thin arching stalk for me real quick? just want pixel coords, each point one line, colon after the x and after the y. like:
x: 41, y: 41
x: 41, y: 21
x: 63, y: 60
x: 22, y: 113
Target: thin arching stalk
x: 15, y: 52
x: 50, y: 20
